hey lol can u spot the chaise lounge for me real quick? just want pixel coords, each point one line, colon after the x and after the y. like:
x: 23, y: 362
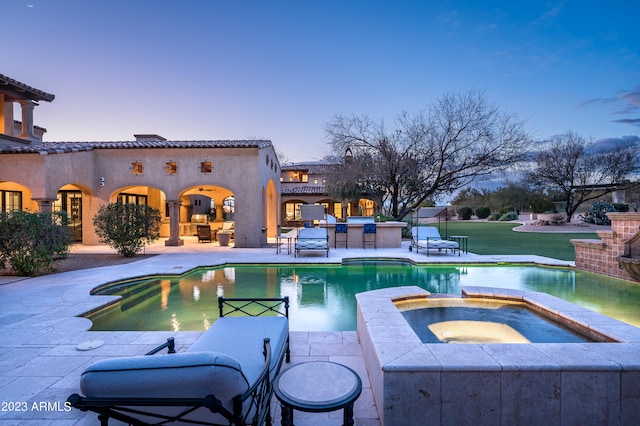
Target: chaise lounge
x: 428, y: 238
x: 224, y: 378
x: 312, y: 239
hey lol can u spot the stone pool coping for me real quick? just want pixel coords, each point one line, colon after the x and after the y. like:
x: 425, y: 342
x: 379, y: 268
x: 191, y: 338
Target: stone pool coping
x: 581, y: 383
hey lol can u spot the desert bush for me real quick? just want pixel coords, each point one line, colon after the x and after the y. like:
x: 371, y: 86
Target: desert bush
x: 494, y: 217
x: 507, y: 209
x: 464, y: 213
x: 508, y: 217
x: 31, y: 242
x: 127, y: 227
x: 621, y: 207
x: 597, y: 213
x: 483, y: 212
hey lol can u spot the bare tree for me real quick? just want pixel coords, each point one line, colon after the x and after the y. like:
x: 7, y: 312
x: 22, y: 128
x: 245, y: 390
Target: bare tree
x: 580, y: 172
x: 429, y: 153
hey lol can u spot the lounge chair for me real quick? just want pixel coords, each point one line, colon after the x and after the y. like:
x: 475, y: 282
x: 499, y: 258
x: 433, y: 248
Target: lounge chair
x: 428, y: 238
x: 224, y: 378
x: 228, y: 227
x: 312, y: 239
x: 204, y: 233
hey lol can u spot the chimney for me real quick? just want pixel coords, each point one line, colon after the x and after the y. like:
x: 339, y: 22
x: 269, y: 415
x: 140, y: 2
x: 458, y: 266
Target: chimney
x: 149, y: 138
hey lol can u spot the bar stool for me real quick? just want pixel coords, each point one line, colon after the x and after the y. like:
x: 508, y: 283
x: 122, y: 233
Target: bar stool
x: 369, y: 235
x: 341, y: 230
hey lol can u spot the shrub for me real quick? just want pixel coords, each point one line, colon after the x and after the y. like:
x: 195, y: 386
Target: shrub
x: 464, y: 213
x: 621, y: 207
x: 494, y: 217
x: 508, y: 217
x: 127, y: 227
x: 483, y: 212
x: 382, y: 218
x: 540, y: 204
x: 507, y: 209
x: 31, y: 242
x: 597, y: 213
x: 557, y: 219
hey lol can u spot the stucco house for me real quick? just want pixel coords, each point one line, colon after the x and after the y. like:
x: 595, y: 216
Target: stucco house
x: 225, y: 180
x: 305, y: 183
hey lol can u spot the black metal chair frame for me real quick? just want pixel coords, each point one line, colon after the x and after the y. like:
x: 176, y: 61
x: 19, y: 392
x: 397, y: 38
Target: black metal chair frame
x: 274, y: 305
x: 259, y: 393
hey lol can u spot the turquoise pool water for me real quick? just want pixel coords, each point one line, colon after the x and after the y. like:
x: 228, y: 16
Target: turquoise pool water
x: 322, y: 296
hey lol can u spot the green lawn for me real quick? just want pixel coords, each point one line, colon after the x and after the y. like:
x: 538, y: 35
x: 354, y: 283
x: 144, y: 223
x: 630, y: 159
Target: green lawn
x: 498, y: 238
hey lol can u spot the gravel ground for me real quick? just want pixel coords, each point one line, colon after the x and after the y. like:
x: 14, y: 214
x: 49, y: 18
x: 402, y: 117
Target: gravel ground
x: 84, y: 261
x: 578, y: 227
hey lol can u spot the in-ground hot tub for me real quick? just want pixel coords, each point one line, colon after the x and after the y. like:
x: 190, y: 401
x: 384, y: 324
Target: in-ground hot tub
x: 413, y: 382
x: 446, y: 319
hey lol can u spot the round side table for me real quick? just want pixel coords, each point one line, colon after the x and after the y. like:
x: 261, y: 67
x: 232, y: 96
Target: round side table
x: 317, y: 387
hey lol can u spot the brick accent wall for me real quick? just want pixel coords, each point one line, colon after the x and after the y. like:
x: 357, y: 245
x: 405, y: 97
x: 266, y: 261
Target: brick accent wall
x: 599, y: 256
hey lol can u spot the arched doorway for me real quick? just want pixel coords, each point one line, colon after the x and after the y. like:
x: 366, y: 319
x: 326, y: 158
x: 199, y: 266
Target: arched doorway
x: 71, y: 200
x: 206, y: 204
x: 270, y: 210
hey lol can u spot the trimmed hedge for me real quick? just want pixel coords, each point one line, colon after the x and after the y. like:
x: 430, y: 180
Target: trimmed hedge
x: 483, y: 212
x: 464, y: 213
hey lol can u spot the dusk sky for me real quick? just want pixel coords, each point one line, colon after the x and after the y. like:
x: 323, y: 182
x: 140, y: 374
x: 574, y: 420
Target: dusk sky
x: 280, y: 70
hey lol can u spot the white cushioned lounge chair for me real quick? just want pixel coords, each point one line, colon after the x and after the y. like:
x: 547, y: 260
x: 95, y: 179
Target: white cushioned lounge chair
x: 429, y: 238
x: 312, y: 239
x: 224, y: 378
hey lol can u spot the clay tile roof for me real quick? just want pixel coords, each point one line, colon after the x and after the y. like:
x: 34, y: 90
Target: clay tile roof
x: 28, y: 92
x: 64, y: 147
x: 302, y: 190
x: 312, y: 168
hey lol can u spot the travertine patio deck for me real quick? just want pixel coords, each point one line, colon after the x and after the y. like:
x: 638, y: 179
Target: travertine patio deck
x: 40, y: 328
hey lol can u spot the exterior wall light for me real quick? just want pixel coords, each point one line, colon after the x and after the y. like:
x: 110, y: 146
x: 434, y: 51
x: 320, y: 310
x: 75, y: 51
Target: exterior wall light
x: 171, y: 167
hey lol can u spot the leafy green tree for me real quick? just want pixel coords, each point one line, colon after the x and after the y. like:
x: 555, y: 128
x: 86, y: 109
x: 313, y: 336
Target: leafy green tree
x: 31, y: 242
x: 127, y: 227
x: 469, y: 197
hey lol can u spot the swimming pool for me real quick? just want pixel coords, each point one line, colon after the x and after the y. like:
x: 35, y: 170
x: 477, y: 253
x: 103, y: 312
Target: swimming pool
x: 323, y: 296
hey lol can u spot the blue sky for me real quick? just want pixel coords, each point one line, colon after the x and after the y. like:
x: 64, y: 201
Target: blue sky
x: 280, y: 70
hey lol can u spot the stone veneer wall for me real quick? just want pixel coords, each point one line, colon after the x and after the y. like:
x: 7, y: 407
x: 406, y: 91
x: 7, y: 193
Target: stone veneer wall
x: 599, y: 256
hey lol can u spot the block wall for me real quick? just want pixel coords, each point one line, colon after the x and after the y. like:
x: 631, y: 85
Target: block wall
x: 599, y: 256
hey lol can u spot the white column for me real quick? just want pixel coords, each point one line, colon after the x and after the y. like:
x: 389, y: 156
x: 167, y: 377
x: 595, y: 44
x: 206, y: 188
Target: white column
x: 27, y: 119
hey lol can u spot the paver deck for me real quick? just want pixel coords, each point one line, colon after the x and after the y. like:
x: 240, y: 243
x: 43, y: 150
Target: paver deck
x: 40, y: 328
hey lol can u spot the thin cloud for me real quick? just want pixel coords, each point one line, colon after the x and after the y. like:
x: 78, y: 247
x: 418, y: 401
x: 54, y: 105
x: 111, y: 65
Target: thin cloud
x: 599, y: 101
x: 632, y: 96
x: 550, y: 15
x: 627, y: 102
x: 632, y: 121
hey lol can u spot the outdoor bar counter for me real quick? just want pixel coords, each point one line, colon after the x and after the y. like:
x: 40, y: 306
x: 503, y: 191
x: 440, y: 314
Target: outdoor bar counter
x: 388, y: 234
